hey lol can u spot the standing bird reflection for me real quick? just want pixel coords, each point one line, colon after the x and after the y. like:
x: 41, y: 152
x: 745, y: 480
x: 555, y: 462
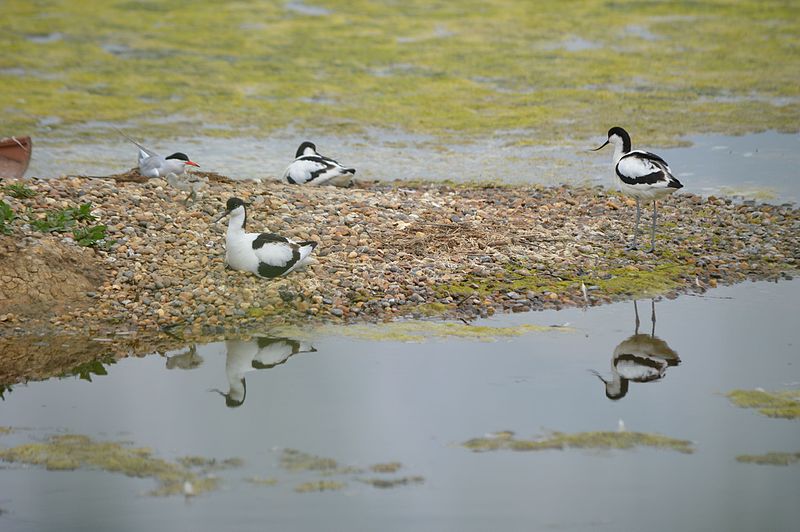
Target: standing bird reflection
x: 638, y: 358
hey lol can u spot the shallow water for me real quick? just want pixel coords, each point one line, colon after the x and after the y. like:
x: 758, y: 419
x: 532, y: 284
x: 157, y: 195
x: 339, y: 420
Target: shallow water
x: 761, y: 166
x: 363, y: 402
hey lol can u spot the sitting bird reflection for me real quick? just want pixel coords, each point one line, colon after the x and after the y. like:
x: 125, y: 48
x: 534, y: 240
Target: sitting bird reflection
x: 262, y: 352
x: 188, y: 359
x: 639, y: 358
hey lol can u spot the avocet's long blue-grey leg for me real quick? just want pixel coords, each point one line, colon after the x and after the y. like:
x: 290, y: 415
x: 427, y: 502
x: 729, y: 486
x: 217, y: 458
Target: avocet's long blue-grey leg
x: 653, y: 229
x: 636, y: 227
x: 653, y: 316
x: 636, y: 311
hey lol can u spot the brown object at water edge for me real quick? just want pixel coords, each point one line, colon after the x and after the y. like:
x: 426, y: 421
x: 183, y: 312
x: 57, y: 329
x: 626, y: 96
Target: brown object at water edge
x: 15, y: 154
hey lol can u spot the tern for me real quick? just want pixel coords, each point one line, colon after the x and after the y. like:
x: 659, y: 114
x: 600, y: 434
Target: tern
x: 311, y: 168
x: 151, y: 164
x: 641, y: 175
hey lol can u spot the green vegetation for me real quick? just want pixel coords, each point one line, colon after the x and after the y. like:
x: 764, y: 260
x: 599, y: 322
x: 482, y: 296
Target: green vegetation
x: 64, y: 452
x: 63, y: 220
x: 94, y: 235
x: 580, y: 440
x: 452, y: 69
x: 93, y: 367
x: 6, y: 217
x: 19, y: 191
x: 629, y: 281
x: 784, y: 404
x: 778, y: 459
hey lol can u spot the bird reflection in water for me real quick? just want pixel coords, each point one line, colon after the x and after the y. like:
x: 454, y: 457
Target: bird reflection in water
x: 639, y: 358
x: 188, y: 359
x: 262, y: 352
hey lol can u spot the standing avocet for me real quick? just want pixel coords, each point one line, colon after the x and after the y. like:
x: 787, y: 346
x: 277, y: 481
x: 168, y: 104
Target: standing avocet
x: 641, y: 175
x: 264, y: 254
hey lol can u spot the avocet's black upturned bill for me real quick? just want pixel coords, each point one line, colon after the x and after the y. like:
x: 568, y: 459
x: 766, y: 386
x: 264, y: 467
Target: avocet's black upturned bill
x: 640, y: 174
x: 152, y: 164
x: 311, y: 168
x: 264, y: 254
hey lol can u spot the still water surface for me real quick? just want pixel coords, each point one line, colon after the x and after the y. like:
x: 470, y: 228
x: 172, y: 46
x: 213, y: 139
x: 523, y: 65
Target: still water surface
x: 363, y: 402
x: 764, y: 166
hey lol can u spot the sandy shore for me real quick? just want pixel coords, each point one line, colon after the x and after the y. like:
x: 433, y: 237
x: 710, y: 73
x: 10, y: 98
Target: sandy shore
x: 386, y: 251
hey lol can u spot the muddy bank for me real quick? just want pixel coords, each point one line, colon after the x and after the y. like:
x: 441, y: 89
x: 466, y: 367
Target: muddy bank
x: 386, y: 252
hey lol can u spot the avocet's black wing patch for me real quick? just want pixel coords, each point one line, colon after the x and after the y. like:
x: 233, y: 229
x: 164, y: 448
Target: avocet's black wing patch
x: 270, y: 271
x: 643, y: 168
x: 266, y: 238
x: 277, y: 257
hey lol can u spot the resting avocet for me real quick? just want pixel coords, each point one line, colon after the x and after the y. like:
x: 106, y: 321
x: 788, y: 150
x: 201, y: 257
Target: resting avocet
x: 640, y: 174
x: 638, y: 358
x: 311, y: 168
x: 151, y: 164
x: 264, y: 254
x: 259, y: 353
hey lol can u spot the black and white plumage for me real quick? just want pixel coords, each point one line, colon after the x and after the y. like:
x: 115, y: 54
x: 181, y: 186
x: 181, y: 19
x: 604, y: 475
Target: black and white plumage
x: 638, y: 358
x: 641, y: 175
x: 259, y: 353
x: 151, y: 164
x: 264, y: 254
x: 311, y: 168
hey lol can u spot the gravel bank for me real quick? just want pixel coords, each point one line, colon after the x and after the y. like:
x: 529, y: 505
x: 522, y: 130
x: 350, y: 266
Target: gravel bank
x: 386, y: 251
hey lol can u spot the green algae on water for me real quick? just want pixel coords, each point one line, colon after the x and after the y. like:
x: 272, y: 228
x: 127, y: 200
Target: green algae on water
x: 782, y: 404
x: 319, y: 485
x: 582, y: 440
x: 67, y: 452
x: 418, y: 331
x: 260, y: 481
x: 772, y: 458
x: 389, y: 467
x: 294, y: 460
x: 453, y: 69
x: 384, y: 483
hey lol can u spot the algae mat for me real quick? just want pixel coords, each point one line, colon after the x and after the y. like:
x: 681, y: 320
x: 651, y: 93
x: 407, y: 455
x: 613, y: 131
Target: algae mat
x: 449, y: 69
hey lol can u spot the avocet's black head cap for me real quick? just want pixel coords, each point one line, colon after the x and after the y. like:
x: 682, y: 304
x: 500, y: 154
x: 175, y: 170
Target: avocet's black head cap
x: 616, y: 130
x: 179, y: 155
x: 303, y: 146
x: 233, y: 203
x: 230, y: 206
